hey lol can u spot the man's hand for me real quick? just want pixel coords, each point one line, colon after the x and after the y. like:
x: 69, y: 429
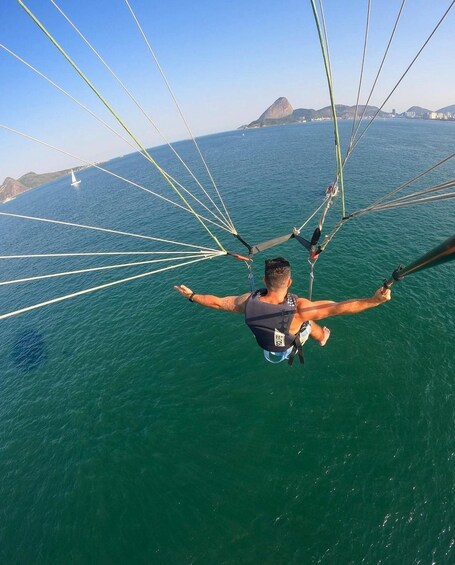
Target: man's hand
x: 383, y: 295
x: 184, y: 290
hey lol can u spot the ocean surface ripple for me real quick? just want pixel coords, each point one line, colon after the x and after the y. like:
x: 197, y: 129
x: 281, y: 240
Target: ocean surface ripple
x: 136, y: 427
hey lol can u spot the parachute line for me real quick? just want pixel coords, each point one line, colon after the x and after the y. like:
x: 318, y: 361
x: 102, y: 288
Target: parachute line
x: 391, y: 205
x: 138, y: 105
x: 401, y: 187
x: 95, y: 254
x: 103, y: 268
x: 325, y: 57
x: 403, y: 75
x: 180, y: 111
x: 376, y: 79
x: 95, y: 288
x: 119, y: 135
x: 106, y: 230
x: 132, y: 183
x: 117, y: 117
x: 362, y: 67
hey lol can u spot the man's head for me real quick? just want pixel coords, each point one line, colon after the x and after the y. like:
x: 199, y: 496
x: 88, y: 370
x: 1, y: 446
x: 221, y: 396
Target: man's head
x: 277, y: 274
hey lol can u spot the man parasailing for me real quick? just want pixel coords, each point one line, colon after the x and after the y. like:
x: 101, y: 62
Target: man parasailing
x: 281, y: 321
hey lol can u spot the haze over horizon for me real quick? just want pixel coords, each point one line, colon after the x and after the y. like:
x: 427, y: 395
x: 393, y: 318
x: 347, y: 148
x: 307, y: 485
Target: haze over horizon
x: 225, y: 66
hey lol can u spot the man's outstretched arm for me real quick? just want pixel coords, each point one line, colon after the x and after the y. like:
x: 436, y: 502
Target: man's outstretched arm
x: 324, y: 309
x: 234, y: 304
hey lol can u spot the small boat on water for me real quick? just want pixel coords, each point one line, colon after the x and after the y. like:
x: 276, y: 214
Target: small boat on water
x: 74, y: 181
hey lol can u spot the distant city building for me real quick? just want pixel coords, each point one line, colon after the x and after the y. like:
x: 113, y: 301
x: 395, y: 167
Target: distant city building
x: 439, y: 116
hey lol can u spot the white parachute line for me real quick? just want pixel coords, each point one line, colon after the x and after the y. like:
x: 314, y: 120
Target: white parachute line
x: 138, y: 105
x: 391, y: 205
x: 106, y: 230
x: 312, y: 215
x: 222, y: 220
x: 70, y: 96
x: 328, y: 203
x: 132, y: 183
x: 435, y: 188
x: 114, y: 113
x: 103, y: 268
x: 365, y: 43
x: 180, y: 112
x: 95, y: 288
x: 97, y: 254
x: 378, y: 73
x: 328, y: 238
x: 402, y: 186
x: 400, y: 203
x: 323, y: 39
x: 120, y: 136
x: 367, y: 127
x: 326, y: 38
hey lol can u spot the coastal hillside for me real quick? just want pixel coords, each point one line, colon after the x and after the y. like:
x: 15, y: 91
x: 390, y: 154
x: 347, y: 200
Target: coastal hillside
x: 418, y: 111
x: 13, y: 187
x: 450, y: 109
x: 281, y: 112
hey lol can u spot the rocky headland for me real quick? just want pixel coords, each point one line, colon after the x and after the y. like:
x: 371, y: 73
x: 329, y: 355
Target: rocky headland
x: 13, y: 187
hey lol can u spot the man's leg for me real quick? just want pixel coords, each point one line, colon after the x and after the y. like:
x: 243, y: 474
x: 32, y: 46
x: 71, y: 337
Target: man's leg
x: 319, y: 333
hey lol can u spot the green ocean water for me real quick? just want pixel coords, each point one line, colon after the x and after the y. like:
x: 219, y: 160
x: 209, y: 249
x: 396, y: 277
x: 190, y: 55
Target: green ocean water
x: 136, y: 427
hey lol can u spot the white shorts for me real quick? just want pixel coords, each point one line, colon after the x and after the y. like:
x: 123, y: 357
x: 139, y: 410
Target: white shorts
x: 279, y: 356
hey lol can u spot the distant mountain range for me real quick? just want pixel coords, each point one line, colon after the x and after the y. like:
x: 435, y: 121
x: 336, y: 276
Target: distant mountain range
x: 450, y: 109
x: 421, y: 112
x: 281, y: 112
x: 13, y: 187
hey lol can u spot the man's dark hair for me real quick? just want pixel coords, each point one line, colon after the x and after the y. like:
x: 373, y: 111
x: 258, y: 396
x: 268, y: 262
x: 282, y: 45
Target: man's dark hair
x: 277, y: 271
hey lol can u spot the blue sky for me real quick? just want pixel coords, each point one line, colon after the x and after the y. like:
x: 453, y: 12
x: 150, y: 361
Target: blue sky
x: 226, y: 61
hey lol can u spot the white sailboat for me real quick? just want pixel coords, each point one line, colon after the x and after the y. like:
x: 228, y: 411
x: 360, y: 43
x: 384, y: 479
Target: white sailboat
x: 74, y: 181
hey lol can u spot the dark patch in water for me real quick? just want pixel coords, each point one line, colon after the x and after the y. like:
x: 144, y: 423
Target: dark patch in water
x: 29, y: 350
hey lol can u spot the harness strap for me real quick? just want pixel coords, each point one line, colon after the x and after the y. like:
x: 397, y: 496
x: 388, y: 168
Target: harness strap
x: 296, y: 349
x: 297, y: 346
x: 270, y: 243
x: 245, y: 243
